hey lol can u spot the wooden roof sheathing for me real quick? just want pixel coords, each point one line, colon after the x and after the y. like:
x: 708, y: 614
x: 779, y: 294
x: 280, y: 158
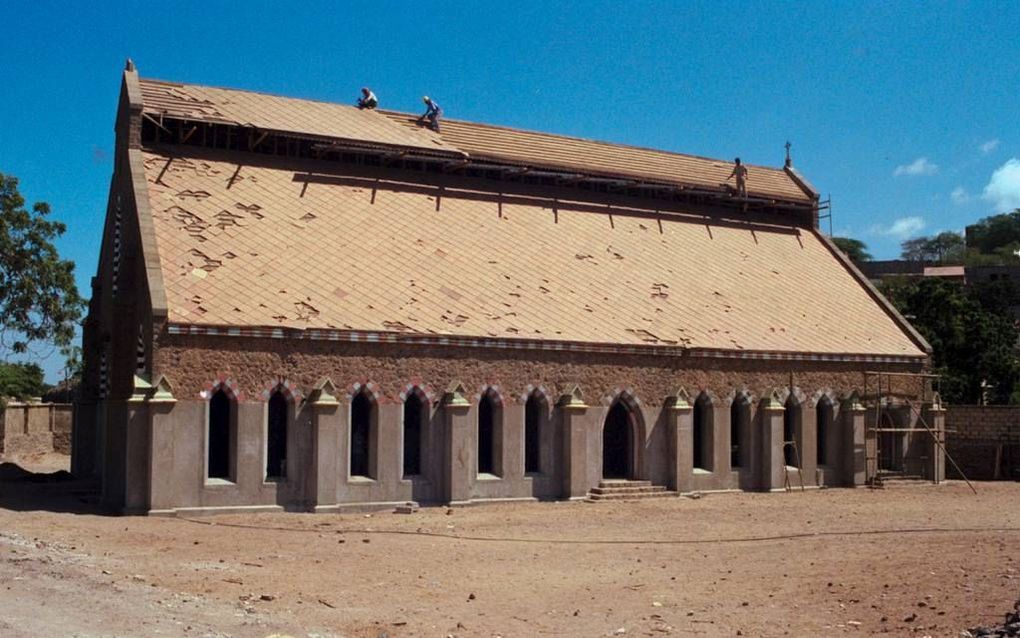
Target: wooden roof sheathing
x: 530, y: 148
x: 479, y: 141
x: 284, y: 114
x: 269, y: 246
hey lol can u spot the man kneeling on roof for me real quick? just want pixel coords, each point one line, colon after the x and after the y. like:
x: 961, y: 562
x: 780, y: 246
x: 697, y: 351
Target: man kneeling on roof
x: 432, y: 113
x: 367, y: 99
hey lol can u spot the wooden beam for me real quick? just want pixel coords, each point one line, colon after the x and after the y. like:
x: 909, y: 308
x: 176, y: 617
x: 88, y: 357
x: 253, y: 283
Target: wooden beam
x: 187, y: 136
x: 252, y: 145
x: 157, y: 123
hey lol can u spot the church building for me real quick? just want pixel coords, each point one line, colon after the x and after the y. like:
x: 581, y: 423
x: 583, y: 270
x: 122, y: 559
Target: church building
x: 308, y: 306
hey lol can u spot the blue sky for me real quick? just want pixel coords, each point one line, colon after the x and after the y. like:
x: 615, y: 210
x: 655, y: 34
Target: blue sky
x: 906, y: 113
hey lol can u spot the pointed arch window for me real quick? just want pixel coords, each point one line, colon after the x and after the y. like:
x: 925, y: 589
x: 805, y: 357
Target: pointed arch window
x: 824, y: 421
x: 703, y: 433
x: 490, y: 433
x: 791, y: 429
x: 363, y: 433
x: 415, y: 415
x: 535, y: 411
x: 278, y: 418
x: 221, y: 436
x: 740, y: 420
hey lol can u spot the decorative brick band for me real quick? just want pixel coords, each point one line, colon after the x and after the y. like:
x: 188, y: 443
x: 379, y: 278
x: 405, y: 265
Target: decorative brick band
x: 492, y: 391
x: 626, y: 395
x: 358, y: 336
x: 288, y: 388
x: 370, y: 389
x: 538, y: 390
x: 222, y: 382
x: 423, y: 390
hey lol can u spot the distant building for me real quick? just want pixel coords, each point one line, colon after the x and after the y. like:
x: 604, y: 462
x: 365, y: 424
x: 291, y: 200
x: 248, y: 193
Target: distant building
x: 309, y: 306
x: 877, y: 270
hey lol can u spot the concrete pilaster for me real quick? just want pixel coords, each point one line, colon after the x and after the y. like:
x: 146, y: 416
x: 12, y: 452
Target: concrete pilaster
x: 324, y: 473
x: 681, y: 447
x: 161, y: 457
x: 137, y: 459
x: 773, y: 462
x: 807, y: 444
x: 935, y: 416
x: 853, y: 451
x: 575, y: 452
x: 250, y: 467
x: 84, y: 450
x: 457, y: 466
x: 113, y: 427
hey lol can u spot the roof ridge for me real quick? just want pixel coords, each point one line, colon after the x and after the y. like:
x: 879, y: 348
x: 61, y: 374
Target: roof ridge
x: 387, y: 112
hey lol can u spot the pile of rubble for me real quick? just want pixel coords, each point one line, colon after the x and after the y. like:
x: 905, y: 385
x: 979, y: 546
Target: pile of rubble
x: 1010, y: 628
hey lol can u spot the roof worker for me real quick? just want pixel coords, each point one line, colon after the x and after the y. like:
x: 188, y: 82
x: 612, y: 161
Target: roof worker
x: 367, y: 99
x: 740, y: 172
x: 432, y: 113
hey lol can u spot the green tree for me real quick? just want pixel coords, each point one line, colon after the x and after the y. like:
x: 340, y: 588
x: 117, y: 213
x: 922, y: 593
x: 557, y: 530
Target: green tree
x: 855, y: 249
x: 39, y: 301
x: 993, y: 233
x: 914, y: 249
x: 974, y: 345
x: 945, y: 248
x: 21, y: 380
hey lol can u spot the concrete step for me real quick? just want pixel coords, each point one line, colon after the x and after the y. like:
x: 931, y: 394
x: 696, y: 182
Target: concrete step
x: 623, y: 483
x: 631, y: 497
x: 635, y: 489
x: 626, y: 489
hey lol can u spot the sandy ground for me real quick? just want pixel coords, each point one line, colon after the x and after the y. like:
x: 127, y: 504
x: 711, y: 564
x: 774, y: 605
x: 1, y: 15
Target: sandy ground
x: 914, y: 560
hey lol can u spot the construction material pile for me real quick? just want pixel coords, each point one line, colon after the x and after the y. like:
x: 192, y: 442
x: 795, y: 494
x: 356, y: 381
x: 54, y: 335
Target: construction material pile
x: 1010, y: 628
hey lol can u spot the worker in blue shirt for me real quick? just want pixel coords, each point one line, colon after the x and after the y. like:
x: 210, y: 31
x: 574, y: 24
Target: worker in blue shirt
x: 367, y: 99
x: 432, y: 113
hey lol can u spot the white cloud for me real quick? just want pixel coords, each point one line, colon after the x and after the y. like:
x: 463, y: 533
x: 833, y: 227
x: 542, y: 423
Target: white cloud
x: 959, y: 195
x: 1003, y: 189
x: 920, y: 166
x: 902, y: 228
x: 989, y: 146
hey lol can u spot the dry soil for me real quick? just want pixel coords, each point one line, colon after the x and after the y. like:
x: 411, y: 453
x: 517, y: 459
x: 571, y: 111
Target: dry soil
x: 910, y: 560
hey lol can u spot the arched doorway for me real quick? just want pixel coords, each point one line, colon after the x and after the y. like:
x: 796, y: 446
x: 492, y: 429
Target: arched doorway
x: 617, y: 442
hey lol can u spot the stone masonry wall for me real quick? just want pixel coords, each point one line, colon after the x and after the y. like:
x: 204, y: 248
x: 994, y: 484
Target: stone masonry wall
x: 193, y: 363
x: 974, y: 434
x: 35, y: 428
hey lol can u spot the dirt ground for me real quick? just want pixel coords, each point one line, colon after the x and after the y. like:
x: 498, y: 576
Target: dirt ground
x: 912, y: 560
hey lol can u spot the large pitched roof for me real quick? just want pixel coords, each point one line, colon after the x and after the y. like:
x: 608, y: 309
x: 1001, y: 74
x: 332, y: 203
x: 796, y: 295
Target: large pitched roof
x: 270, y: 245
x: 478, y: 141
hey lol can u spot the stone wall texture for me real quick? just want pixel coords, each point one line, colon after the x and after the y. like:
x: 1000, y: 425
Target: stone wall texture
x: 193, y: 363
x: 35, y: 428
x: 976, y: 434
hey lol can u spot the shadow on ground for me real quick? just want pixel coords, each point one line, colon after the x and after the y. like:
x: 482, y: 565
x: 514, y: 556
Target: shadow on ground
x: 26, y: 491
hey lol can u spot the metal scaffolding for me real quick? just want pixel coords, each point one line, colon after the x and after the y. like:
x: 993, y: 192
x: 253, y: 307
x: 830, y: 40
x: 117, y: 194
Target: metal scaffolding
x: 880, y: 394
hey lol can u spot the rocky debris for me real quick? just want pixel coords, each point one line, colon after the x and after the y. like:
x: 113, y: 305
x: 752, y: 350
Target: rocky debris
x: 409, y: 507
x: 1010, y: 628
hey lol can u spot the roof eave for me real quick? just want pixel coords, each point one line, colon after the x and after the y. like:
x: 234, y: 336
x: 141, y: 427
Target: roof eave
x: 886, y: 305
